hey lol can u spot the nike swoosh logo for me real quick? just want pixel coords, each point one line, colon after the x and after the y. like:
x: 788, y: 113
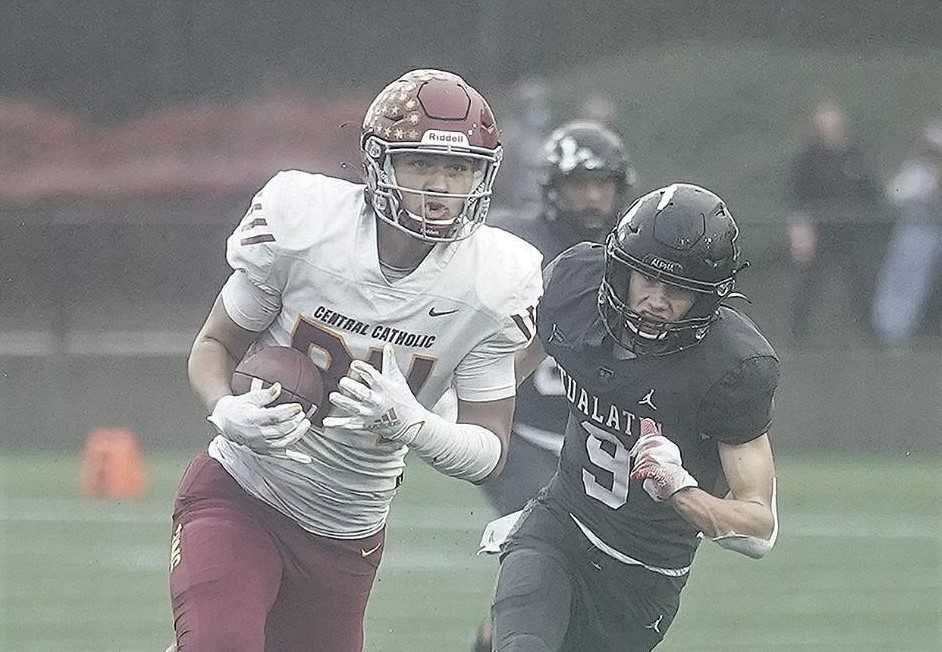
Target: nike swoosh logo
x: 366, y: 553
x: 434, y: 313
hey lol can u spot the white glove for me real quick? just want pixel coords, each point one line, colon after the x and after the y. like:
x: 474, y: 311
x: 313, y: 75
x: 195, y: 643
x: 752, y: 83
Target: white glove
x: 378, y: 402
x: 245, y: 420
x: 657, y: 462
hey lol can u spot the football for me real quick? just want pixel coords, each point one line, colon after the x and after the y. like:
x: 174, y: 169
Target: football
x: 301, y: 380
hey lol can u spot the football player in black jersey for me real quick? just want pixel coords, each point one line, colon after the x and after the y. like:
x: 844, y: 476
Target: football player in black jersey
x: 586, y: 176
x: 670, y: 399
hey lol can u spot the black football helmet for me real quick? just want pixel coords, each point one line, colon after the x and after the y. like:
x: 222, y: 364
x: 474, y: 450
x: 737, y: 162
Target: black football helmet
x: 682, y: 235
x: 584, y: 148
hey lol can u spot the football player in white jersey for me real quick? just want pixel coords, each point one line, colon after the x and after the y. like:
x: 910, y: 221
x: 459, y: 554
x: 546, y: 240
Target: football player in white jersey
x: 399, y: 293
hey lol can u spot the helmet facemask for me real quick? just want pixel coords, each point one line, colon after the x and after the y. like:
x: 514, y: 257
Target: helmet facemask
x: 391, y: 196
x: 586, y: 223
x: 644, y: 334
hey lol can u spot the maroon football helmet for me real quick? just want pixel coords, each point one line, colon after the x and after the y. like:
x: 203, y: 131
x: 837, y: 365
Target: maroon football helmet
x: 430, y: 112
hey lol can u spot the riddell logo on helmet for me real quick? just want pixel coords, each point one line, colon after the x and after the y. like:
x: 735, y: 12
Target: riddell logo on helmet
x: 436, y: 137
x: 664, y: 265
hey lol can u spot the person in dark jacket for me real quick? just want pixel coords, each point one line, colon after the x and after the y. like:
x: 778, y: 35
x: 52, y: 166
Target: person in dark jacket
x: 837, y: 218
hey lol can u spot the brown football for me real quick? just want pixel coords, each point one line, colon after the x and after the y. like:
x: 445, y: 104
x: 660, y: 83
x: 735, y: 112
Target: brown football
x: 301, y: 380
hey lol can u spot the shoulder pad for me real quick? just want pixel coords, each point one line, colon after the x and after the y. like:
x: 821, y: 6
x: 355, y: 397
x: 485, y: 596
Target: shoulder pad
x: 510, y: 277
x: 292, y: 212
x: 305, y: 207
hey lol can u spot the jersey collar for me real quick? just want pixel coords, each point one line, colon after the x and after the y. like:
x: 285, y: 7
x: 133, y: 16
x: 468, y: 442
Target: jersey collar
x: 368, y: 268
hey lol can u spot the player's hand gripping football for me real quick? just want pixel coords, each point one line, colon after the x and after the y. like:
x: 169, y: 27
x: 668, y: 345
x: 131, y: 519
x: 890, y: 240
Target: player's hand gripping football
x: 657, y: 462
x: 377, y: 402
x: 245, y: 420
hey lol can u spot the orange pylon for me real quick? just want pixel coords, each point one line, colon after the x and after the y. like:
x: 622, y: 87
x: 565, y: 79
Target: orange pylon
x: 112, y: 465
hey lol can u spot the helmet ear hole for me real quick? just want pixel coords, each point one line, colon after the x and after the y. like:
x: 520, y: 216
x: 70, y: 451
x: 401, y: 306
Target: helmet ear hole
x: 373, y: 149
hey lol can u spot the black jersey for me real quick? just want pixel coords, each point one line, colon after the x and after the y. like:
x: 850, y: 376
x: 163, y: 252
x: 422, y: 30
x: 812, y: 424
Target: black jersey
x: 718, y: 390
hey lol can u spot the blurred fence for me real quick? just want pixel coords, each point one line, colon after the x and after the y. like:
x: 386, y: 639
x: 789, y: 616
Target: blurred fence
x: 96, y: 333
x: 133, y: 134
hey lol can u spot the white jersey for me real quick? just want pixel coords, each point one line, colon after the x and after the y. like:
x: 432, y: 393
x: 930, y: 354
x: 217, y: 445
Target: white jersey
x: 307, y: 250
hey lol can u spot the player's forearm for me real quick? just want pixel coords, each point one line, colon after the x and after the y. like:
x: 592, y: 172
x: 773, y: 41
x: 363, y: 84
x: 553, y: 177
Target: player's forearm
x: 718, y: 517
x: 209, y: 368
x: 461, y: 450
x: 218, y: 347
x: 527, y: 360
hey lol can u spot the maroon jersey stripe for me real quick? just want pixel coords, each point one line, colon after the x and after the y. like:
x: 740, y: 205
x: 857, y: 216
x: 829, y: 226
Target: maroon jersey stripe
x: 255, y: 239
x: 518, y: 320
x: 258, y: 221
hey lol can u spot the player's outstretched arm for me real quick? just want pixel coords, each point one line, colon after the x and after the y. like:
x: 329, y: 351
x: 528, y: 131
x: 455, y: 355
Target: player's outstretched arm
x: 746, y: 521
x: 495, y: 417
x: 528, y: 359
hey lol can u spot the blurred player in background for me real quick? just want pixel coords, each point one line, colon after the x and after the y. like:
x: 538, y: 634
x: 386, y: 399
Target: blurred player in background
x: 670, y: 397
x: 586, y: 176
x: 398, y: 292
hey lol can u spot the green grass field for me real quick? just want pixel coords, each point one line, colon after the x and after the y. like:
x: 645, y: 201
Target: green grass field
x: 858, y: 565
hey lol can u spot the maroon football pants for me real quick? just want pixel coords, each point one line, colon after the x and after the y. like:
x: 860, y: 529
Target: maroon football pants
x: 244, y: 577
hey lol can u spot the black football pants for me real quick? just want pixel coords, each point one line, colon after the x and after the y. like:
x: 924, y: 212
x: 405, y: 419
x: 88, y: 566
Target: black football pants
x: 557, y: 593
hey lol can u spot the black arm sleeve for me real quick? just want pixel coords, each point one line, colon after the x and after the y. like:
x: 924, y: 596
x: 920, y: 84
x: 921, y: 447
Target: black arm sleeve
x: 738, y: 407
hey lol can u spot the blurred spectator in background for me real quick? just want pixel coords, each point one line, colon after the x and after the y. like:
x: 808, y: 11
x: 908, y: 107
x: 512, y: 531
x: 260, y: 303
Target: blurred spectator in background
x: 586, y: 177
x: 835, y: 216
x: 526, y: 127
x: 912, y: 268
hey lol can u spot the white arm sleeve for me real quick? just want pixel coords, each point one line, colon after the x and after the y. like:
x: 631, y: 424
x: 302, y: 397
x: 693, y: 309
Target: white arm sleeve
x: 748, y: 545
x: 248, y: 305
x: 462, y: 450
